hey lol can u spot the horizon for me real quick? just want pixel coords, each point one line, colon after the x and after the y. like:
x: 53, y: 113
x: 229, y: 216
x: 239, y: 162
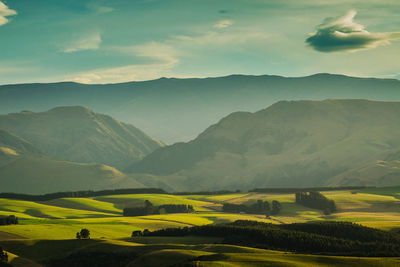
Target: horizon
x: 208, y: 77
x: 98, y: 42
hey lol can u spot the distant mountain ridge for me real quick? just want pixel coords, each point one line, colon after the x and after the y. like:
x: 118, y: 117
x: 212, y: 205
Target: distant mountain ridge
x: 291, y: 143
x: 80, y: 135
x: 178, y: 109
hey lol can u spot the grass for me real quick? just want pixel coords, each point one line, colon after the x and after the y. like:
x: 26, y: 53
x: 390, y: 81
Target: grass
x: 123, y: 201
x: 89, y: 204
x: 33, y: 209
x: 162, y: 251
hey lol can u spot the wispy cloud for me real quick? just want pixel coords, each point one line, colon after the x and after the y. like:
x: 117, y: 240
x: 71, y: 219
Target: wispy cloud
x: 100, y: 9
x: 162, y: 56
x: 342, y: 34
x: 88, y: 42
x: 225, y: 23
x: 5, y: 11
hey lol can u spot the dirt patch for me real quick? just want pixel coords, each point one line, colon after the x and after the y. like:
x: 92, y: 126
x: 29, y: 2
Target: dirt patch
x: 6, y: 236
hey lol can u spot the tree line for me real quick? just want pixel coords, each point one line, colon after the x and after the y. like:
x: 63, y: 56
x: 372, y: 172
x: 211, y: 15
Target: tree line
x: 260, y: 207
x: 293, y: 190
x: 88, y: 193
x: 7, y: 220
x: 150, y: 209
x: 316, y: 200
x: 218, y: 192
x: 329, y: 238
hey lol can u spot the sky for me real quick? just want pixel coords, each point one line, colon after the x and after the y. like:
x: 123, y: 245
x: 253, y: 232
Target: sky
x: 101, y: 41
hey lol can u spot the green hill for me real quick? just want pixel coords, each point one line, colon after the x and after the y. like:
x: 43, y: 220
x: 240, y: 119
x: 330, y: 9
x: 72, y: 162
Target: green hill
x: 80, y: 135
x: 23, y: 169
x: 291, y: 143
x: 376, y: 174
x: 175, y: 110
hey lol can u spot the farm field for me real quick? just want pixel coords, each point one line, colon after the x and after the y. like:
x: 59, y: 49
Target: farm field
x: 56, y: 222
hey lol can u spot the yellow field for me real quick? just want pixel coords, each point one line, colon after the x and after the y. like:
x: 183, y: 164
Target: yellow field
x: 62, y: 218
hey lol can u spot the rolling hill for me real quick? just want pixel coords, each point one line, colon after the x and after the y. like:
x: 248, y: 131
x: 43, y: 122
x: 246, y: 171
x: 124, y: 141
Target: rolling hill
x: 80, y: 135
x: 291, y: 143
x: 178, y: 109
x: 23, y: 169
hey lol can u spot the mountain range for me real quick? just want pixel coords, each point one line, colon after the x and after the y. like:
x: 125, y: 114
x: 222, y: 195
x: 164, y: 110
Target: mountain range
x: 68, y: 149
x: 291, y: 143
x: 175, y: 110
x: 80, y: 135
x: 286, y: 144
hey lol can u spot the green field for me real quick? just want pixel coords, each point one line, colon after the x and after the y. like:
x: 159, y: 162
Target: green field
x: 57, y: 221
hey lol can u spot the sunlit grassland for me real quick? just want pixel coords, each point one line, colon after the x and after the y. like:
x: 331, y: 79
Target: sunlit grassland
x: 117, y: 227
x: 34, y: 209
x: 122, y: 201
x: 62, y: 218
x: 85, y: 204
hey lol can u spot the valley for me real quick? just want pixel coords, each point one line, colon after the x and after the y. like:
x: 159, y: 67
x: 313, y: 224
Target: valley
x: 51, y: 225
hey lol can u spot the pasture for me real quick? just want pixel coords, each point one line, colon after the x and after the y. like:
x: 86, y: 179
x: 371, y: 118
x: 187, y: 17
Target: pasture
x: 56, y: 222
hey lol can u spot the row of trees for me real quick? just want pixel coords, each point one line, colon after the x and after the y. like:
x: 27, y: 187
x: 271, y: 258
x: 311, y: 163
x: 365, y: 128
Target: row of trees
x: 8, y: 220
x: 340, y: 238
x: 316, y: 200
x: 88, y: 193
x: 260, y: 207
x: 150, y: 209
x: 288, y: 190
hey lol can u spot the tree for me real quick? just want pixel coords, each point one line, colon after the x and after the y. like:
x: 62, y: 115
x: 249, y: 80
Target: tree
x: 146, y: 232
x: 276, y: 207
x: 85, y: 233
x: 149, y: 207
x: 78, y: 235
x: 137, y: 233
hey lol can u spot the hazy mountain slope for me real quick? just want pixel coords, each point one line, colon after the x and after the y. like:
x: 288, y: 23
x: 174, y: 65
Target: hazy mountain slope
x: 178, y: 109
x: 81, y: 135
x: 36, y: 175
x: 13, y: 145
x: 291, y: 143
x: 379, y: 173
x: 24, y: 169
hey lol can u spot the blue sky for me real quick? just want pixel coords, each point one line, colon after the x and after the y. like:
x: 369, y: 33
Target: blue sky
x: 125, y: 40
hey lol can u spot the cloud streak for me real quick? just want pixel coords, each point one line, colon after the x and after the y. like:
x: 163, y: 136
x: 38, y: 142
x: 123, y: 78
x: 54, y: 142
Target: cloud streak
x: 225, y: 23
x: 87, y: 42
x: 342, y: 34
x: 5, y: 12
x: 163, y: 59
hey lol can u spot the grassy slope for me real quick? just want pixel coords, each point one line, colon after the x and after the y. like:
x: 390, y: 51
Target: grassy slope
x: 62, y: 218
x: 50, y: 236
x: 163, y: 251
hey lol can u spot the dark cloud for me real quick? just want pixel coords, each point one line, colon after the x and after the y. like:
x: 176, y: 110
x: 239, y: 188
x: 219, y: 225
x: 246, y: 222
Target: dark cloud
x: 342, y: 34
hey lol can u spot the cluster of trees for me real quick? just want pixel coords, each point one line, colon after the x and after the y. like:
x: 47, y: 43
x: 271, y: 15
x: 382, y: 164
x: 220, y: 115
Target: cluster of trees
x: 83, y: 234
x: 88, y: 193
x: 260, y: 207
x: 149, y: 209
x: 316, y: 200
x: 333, y: 238
x: 145, y: 232
x: 305, y: 189
x: 8, y: 220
